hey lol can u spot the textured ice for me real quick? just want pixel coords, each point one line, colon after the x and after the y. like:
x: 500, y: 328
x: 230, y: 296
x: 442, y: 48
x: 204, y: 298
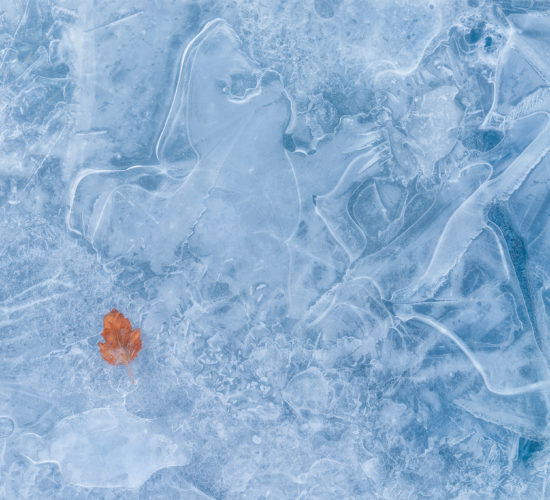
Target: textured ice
x: 115, y: 437
x: 329, y: 219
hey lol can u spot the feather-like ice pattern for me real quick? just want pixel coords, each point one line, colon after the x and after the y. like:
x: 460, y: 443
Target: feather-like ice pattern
x: 330, y: 221
x: 336, y: 207
x: 481, y: 307
x: 160, y: 209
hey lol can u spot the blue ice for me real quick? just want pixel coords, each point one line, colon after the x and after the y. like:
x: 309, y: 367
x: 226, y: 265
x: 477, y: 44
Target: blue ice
x: 330, y: 221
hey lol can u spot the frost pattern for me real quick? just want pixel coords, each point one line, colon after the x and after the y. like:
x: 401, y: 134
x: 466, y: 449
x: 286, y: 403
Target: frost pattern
x: 330, y: 222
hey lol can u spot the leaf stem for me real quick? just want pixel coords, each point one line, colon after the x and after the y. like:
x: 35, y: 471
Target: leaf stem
x: 130, y: 372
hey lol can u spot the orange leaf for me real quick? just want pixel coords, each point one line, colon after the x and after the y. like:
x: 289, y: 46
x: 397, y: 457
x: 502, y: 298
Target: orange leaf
x: 122, y: 344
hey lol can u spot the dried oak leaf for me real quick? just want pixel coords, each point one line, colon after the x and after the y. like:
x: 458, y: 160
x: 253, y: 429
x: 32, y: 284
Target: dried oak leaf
x: 122, y: 344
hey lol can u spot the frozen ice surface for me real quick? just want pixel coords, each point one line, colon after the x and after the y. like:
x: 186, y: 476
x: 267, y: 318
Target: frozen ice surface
x: 115, y: 435
x: 330, y: 220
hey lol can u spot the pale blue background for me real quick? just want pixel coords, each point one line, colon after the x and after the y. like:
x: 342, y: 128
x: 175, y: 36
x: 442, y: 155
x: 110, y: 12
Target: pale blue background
x: 330, y: 221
